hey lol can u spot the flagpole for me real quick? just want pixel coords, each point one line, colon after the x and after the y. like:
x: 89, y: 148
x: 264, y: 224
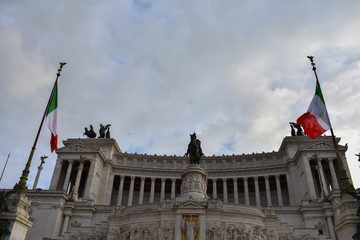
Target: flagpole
x: 345, y: 186
x: 20, y: 187
x: 4, y: 167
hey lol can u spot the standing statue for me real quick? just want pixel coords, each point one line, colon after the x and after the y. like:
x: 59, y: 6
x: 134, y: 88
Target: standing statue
x: 104, y: 130
x: 194, y: 149
x: 90, y: 133
x: 190, y: 228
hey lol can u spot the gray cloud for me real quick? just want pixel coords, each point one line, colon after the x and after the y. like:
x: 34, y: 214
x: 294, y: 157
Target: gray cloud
x: 234, y: 72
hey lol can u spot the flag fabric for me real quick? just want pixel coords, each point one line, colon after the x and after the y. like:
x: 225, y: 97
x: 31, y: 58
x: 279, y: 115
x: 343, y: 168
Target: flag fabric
x: 51, y: 119
x: 316, y: 120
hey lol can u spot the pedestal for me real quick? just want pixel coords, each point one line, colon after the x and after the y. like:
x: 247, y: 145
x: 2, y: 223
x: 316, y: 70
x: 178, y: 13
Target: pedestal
x: 194, y: 183
x: 18, y: 216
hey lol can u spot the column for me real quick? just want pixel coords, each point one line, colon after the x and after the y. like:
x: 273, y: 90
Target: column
x: 334, y: 179
x: 173, y: 181
x: 268, y: 193
x: 236, y: 195
x: 246, y: 190
x: 141, y: 195
x: 214, y: 188
x: 257, y: 193
x: 90, y: 178
x: 152, y: 190
x: 65, y: 225
x: 225, y: 190
x: 39, y: 171
x: 289, y: 186
x: 67, y: 177
x: 322, y: 177
x: 131, y: 191
x: 78, y: 177
x: 178, y: 230
x: 121, y: 190
x: 278, y: 190
x: 202, y: 227
x: 110, y: 188
x: 54, y: 184
x: 309, y: 178
x: 331, y: 227
x: 162, y: 194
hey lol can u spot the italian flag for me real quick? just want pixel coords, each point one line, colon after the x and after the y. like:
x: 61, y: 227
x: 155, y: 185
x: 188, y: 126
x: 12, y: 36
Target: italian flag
x: 316, y: 120
x: 51, y: 119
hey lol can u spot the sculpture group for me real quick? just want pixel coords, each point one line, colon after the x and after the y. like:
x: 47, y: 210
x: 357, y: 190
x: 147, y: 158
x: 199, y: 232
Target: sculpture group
x: 298, y: 127
x: 104, y: 131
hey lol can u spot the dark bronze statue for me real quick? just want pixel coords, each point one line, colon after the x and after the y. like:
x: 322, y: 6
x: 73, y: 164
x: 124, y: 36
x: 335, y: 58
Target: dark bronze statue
x: 104, y: 130
x: 194, y: 149
x: 299, y: 129
x: 90, y: 133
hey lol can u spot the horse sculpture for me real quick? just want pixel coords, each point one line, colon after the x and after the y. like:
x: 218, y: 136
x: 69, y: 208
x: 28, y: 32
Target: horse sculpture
x: 90, y: 133
x: 194, y: 149
x: 104, y: 131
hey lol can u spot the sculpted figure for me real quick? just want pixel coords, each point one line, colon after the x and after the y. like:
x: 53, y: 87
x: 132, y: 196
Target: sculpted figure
x: 190, y: 228
x: 104, y: 129
x: 194, y: 149
x: 299, y: 129
x: 90, y: 133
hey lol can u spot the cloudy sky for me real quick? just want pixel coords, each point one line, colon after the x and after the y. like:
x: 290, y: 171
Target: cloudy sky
x: 234, y: 71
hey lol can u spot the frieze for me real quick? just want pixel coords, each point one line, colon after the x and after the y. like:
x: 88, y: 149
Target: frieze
x: 77, y: 148
x: 320, y: 146
x: 215, y: 203
x: 168, y: 203
x: 139, y: 231
x: 214, y: 162
x: 117, y: 210
x: 89, y: 236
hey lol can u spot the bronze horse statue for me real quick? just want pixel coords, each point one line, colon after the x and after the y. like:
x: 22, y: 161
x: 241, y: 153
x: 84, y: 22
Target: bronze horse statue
x: 90, y: 133
x: 194, y: 149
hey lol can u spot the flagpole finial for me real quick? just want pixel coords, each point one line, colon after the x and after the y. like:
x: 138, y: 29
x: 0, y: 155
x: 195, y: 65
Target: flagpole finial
x: 61, y: 66
x: 312, y: 62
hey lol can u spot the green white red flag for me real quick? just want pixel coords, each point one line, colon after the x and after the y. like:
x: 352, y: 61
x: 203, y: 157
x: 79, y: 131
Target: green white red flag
x: 51, y: 119
x: 316, y: 120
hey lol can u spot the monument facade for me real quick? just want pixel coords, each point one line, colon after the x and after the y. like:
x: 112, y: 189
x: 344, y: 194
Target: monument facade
x: 99, y: 192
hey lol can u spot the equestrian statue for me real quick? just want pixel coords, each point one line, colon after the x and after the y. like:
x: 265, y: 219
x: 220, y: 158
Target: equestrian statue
x: 194, y: 149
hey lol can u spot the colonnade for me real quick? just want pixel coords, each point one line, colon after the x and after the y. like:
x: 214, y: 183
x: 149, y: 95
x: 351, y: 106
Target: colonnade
x: 72, y: 176
x: 255, y: 189
x: 134, y: 190
x: 262, y: 191
x: 320, y: 182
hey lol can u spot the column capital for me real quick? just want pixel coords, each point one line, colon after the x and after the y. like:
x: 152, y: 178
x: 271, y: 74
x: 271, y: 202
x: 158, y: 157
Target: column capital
x: 70, y: 161
x: 224, y: 179
x: 266, y: 177
x: 245, y: 178
x: 163, y: 179
x: 132, y: 177
x: 330, y: 160
x: 235, y: 179
x: 173, y: 179
x: 153, y: 179
x: 256, y: 178
x: 142, y: 178
x: 277, y: 175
